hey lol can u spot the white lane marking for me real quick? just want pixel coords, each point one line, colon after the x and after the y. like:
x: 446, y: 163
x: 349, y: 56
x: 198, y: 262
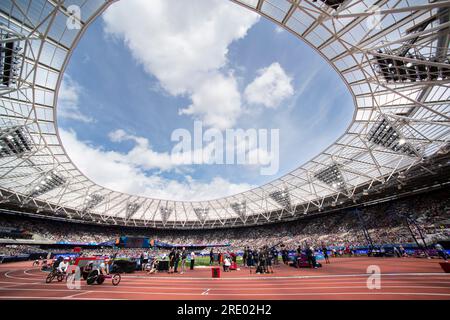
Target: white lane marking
x: 33, y: 275
x: 243, y: 294
x: 52, y: 298
x: 206, y: 292
x: 445, y: 284
x: 76, y: 295
x: 175, y: 278
x: 7, y: 274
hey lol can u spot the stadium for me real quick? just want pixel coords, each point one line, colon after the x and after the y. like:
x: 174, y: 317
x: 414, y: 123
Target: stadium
x: 366, y: 218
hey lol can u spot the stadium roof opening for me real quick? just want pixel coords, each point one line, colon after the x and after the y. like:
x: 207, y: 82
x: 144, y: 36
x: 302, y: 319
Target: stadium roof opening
x: 393, y: 58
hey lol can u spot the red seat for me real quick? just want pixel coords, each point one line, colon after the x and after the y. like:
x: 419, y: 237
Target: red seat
x: 215, y: 272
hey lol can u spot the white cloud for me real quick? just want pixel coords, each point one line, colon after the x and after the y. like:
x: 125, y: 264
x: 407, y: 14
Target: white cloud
x: 142, y: 155
x: 112, y: 169
x: 184, y: 44
x: 270, y: 88
x: 216, y: 101
x: 68, y: 101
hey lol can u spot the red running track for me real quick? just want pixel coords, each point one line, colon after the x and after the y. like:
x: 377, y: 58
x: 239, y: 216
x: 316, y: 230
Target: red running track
x: 344, y: 278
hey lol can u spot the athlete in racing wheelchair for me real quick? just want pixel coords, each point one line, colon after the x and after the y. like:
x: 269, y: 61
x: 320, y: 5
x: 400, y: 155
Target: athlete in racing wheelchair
x: 59, y: 270
x: 100, y: 272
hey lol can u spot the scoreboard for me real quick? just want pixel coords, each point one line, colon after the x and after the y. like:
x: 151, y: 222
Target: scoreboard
x: 133, y: 242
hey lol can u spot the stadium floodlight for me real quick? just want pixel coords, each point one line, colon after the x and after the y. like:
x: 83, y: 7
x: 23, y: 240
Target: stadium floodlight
x: 49, y: 181
x: 241, y: 209
x: 332, y: 176
x: 335, y: 4
x: 283, y: 198
x: 10, y: 60
x: 131, y: 209
x: 15, y: 141
x: 166, y: 212
x: 406, y: 63
x: 201, y: 213
x: 396, y: 69
x: 92, y: 201
x: 384, y: 133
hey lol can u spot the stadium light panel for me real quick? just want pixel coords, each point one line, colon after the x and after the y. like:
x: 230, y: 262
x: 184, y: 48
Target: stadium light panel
x: 332, y: 176
x: 92, y: 201
x: 383, y: 133
x: 131, y: 209
x: 166, y: 212
x: 335, y: 4
x: 283, y: 198
x: 14, y: 141
x: 241, y: 209
x: 49, y: 181
x: 10, y: 61
x: 398, y: 69
x: 201, y: 213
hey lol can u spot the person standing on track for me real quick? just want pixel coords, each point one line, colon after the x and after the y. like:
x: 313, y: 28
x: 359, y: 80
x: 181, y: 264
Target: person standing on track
x: 183, y: 260
x: 250, y: 259
x: 325, y: 254
x: 211, y: 257
x: 285, y: 255
x: 270, y: 257
x: 310, y: 256
x: 244, y: 257
x: 192, y: 260
x: 275, y: 256
x: 177, y: 260
x: 171, y: 260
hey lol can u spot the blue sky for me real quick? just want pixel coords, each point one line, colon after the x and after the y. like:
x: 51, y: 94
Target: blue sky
x: 136, y: 76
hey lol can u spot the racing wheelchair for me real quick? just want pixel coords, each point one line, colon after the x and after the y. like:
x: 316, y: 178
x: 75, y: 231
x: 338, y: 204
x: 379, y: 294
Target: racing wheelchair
x: 60, y: 276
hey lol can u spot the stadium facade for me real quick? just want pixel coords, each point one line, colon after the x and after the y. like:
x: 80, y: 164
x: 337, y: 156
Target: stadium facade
x: 392, y: 55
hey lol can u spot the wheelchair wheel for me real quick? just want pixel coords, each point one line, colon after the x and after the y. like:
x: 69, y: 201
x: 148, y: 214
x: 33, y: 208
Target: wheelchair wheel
x: 116, y: 279
x: 100, y: 279
x: 92, y: 277
x: 50, y: 277
x: 60, y: 277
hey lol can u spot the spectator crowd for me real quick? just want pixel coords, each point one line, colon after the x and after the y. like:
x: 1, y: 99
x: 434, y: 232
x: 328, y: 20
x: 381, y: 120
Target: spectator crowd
x: 389, y: 222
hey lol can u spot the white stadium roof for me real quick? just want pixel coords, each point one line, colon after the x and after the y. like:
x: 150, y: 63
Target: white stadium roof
x: 398, y: 75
